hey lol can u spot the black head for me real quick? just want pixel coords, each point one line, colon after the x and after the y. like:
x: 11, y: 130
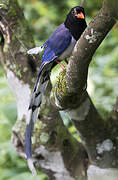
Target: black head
x: 77, y: 14
x: 75, y: 21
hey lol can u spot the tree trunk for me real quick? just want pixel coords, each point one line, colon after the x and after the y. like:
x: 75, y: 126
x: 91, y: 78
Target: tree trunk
x: 55, y: 150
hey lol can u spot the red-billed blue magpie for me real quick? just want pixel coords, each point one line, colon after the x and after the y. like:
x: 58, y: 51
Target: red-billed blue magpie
x: 58, y: 47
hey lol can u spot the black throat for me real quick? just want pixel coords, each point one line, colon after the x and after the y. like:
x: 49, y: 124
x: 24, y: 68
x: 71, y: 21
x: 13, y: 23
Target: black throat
x: 76, y: 27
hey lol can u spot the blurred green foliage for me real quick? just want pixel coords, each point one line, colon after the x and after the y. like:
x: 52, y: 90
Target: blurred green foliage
x: 43, y: 17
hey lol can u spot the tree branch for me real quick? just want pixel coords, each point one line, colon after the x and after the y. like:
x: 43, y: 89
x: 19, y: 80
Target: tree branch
x: 77, y: 70
x: 82, y: 3
x: 70, y: 91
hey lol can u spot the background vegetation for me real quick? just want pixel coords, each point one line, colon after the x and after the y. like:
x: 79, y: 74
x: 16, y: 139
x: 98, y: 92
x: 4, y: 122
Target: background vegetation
x: 43, y: 18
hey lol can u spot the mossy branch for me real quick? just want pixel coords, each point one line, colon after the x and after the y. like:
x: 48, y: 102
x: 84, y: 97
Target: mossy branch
x: 84, y: 115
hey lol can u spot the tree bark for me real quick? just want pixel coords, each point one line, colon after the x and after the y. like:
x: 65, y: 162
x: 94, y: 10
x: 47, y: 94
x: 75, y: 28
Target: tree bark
x: 55, y: 151
x: 98, y: 136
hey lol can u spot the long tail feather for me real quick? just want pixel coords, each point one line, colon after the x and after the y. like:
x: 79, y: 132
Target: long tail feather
x: 39, y: 88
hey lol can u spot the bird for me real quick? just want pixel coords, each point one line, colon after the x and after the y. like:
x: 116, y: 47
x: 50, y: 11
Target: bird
x: 58, y: 47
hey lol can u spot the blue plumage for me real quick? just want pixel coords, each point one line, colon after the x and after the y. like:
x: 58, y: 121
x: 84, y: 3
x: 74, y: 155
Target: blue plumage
x: 57, y: 43
x: 59, y: 46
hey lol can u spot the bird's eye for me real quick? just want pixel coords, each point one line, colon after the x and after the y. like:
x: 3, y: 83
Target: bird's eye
x: 73, y: 12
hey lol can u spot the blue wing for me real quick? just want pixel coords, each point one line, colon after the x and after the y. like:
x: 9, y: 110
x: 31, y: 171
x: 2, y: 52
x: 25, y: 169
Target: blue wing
x: 56, y: 44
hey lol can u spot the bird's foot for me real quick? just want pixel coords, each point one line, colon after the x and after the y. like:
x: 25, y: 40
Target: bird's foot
x: 62, y: 66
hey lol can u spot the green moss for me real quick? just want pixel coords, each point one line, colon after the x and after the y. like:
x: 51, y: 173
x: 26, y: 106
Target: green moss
x: 25, y: 69
x: 18, y: 73
x: 61, y: 132
x: 44, y: 137
x: 6, y: 47
x: 11, y: 12
x: 4, y: 4
x: 61, y: 84
x: 67, y: 140
x: 39, y: 126
x: 61, y: 92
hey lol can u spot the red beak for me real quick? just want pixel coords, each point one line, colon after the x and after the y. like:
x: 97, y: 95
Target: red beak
x: 80, y: 15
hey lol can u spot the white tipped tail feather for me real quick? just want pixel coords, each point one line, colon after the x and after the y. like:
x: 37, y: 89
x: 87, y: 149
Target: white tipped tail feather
x: 35, y: 102
x: 31, y: 166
